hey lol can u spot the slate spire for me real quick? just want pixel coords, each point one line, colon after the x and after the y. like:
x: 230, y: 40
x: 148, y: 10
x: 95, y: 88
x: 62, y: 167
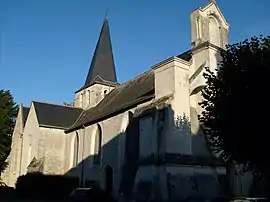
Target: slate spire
x: 102, y: 68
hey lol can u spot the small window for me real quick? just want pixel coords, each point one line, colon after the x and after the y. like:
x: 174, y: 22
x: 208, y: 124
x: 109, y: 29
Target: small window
x: 81, y: 100
x: 105, y: 92
x: 198, y: 28
x: 88, y: 97
x: 75, y: 149
x: 97, y: 148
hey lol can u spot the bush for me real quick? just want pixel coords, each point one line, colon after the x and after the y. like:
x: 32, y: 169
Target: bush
x: 39, y: 186
x: 6, y: 192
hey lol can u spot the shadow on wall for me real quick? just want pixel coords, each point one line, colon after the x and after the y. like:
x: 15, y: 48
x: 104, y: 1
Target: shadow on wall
x: 116, y: 172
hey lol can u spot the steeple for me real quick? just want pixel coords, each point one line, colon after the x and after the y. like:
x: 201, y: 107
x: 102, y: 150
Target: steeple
x: 102, y: 68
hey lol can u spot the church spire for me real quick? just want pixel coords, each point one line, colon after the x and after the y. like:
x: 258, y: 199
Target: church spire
x: 106, y: 14
x: 102, y: 68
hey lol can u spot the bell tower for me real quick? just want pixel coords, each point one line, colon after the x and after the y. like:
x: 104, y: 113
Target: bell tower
x: 209, y: 35
x: 101, y: 77
x: 208, y: 24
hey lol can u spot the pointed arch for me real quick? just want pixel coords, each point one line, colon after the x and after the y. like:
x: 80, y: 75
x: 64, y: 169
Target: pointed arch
x: 76, y: 149
x: 81, y: 99
x: 214, y: 30
x: 198, y: 28
x: 98, y: 144
x: 129, y: 127
x: 29, y: 155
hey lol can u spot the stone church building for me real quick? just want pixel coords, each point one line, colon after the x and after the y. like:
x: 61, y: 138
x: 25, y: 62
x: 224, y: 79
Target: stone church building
x: 140, y: 138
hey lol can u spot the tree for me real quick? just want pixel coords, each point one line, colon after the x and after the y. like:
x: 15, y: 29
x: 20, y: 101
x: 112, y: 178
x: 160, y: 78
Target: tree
x: 8, y: 113
x: 236, y: 105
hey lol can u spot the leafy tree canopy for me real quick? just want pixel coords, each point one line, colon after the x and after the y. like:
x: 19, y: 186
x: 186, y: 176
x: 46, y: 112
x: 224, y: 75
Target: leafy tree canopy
x: 236, y: 104
x: 8, y: 113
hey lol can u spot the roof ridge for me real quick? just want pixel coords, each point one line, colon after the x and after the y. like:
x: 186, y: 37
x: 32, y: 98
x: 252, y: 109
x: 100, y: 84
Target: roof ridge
x: 82, y: 112
x: 26, y: 106
x: 50, y: 103
x: 137, y: 90
x: 104, y: 80
x: 136, y: 77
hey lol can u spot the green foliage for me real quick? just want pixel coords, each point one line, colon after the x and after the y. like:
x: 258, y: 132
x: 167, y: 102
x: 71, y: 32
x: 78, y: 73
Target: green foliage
x: 8, y: 113
x: 39, y: 186
x: 236, y: 104
x: 182, y: 124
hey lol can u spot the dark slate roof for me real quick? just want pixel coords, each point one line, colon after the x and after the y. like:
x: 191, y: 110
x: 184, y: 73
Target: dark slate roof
x: 56, y: 116
x: 102, y: 68
x: 185, y: 56
x: 123, y: 97
x: 25, y: 112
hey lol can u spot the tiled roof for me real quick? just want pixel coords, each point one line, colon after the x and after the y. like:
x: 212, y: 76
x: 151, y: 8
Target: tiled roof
x: 124, y: 96
x: 56, y: 116
x: 25, y: 112
x: 127, y: 95
x: 185, y: 56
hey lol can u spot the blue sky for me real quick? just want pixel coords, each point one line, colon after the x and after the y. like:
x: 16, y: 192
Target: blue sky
x: 46, y: 45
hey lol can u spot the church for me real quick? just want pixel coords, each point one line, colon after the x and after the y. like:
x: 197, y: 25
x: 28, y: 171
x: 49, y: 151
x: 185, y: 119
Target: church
x: 139, y: 139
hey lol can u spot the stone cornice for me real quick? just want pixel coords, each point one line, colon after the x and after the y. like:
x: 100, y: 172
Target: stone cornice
x: 170, y: 60
x: 206, y: 45
x: 163, y: 63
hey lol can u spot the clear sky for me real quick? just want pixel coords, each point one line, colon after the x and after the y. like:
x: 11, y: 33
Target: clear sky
x: 46, y: 45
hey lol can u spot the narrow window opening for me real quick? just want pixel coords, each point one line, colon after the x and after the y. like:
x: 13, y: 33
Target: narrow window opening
x: 198, y: 28
x: 76, y: 150
x: 97, y: 149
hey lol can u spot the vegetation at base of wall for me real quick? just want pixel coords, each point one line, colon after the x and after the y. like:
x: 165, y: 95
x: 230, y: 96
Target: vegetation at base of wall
x: 39, y: 186
x: 236, y: 116
x: 8, y: 113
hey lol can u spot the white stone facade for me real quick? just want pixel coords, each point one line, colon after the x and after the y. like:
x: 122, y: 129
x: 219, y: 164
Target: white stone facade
x: 177, y: 82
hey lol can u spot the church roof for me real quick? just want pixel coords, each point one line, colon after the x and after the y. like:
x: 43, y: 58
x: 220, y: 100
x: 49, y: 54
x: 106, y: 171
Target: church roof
x: 25, y: 112
x: 102, y: 68
x: 185, y: 55
x: 123, y: 97
x: 56, y: 116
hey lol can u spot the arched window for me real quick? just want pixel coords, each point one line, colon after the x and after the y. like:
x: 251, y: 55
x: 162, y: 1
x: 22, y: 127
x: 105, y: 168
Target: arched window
x: 129, y: 136
x: 214, y: 31
x: 88, y: 96
x: 15, y: 157
x: 29, y: 150
x: 29, y: 154
x: 198, y: 28
x: 81, y: 99
x: 76, y: 150
x: 97, y: 148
